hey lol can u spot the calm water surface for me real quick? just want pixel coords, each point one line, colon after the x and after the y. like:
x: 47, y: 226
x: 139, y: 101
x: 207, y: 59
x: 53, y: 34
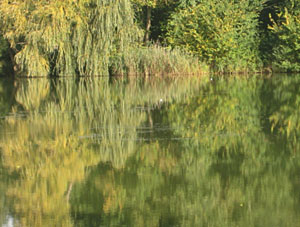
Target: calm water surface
x: 150, y: 152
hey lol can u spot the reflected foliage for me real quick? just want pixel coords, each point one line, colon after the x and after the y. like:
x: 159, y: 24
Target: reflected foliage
x: 224, y: 118
x: 226, y: 170
x: 152, y: 152
x: 6, y: 96
x: 58, y: 128
x: 285, y: 114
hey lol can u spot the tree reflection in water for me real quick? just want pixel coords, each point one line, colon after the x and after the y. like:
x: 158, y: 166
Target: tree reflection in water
x: 96, y: 152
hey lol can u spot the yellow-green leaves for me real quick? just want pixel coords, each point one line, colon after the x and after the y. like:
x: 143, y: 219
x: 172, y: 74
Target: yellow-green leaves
x: 151, y: 3
x: 286, y: 52
x: 66, y: 37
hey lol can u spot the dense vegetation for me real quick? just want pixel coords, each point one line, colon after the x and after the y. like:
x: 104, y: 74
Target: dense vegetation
x: 98, y: 37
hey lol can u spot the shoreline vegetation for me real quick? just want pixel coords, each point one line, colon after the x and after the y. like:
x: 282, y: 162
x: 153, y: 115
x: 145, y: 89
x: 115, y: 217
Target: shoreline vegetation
x: 152, y: 37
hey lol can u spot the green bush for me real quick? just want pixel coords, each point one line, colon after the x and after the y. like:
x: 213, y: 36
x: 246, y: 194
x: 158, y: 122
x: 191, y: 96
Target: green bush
x: 286, y: 53
x: 222, y: 33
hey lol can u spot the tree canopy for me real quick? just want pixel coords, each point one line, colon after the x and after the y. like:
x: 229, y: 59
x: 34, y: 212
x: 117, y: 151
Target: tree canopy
x: 86, y: 37
x: 66, y: 37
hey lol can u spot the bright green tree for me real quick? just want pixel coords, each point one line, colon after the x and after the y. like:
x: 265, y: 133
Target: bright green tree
x: 286, y: 51
x: 223, y: 34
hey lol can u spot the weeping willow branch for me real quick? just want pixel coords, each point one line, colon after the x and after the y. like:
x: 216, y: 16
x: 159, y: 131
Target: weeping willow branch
x: 67, y: 37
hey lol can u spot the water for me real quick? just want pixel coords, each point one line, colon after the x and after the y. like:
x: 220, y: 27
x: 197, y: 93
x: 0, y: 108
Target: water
x: 150, y: 152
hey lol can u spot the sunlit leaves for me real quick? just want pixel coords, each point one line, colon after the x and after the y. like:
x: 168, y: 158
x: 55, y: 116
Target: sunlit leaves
x: 286, y: 51
x: 66, y: 37
x: 223, y: 34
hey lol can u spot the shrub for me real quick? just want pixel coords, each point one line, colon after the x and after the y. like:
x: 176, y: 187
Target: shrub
x: 286, y: 53
x: 223, y: 34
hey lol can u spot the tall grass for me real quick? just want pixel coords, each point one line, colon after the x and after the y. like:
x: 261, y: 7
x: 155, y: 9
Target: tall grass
x: 156, y: 60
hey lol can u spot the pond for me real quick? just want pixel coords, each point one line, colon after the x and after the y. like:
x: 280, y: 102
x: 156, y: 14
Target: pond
x: 185, y: 151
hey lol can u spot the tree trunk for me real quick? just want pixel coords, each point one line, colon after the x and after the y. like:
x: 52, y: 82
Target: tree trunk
x: 148, y: 24
x: 13, y: 62
x: 69, y: 191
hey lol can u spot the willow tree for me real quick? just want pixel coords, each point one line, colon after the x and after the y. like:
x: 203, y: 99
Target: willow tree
x: 66, y: 37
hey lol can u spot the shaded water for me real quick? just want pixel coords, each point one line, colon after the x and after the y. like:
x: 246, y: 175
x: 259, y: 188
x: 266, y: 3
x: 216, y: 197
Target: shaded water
x: 150, y: 152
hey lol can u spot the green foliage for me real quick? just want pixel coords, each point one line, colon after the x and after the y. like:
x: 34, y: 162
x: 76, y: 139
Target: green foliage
x: 159, y: 12
x: 284, y: 108
x: 66, y: 37
x: 223, y: 34
x: 5, y: 63
x: 286, y: 52
x: 96, y: 37
x: 151, y: 3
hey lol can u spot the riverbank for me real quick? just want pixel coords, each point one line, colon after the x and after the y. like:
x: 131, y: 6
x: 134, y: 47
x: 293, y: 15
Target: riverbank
x: 191, y: 37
